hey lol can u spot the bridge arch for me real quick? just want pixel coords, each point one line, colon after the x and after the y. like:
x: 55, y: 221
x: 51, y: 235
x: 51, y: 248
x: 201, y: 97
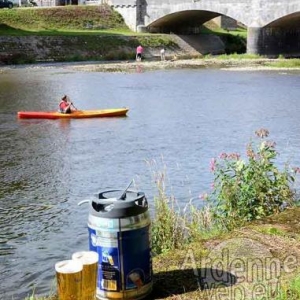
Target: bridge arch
x: 179, y: 21
x: 266, y: 20
x: 290, y: 20
x: 279, y: 37
x: 204, y: 10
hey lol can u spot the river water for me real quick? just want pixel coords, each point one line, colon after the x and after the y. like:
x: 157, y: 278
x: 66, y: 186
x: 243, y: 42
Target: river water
x: 178, y: 120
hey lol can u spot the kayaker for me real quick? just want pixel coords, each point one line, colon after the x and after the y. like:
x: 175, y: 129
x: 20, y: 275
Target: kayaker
x: 65, y: 105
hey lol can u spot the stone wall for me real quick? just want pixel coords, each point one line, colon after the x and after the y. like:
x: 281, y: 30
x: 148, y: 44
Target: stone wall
x: 32, y: 49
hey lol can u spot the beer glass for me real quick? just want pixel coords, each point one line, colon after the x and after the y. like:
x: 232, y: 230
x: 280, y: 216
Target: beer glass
x: 89, y: 260
x: 69, y: 279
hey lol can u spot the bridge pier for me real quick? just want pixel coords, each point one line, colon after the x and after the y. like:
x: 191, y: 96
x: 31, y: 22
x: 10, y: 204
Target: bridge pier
x: 274, y: 41
x: 254, y: 40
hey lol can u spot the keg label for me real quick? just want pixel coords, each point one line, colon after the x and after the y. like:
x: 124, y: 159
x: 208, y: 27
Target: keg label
x: 106, y: 245
x: 109, y: 275
x: 137, y: 262
x: 124, y: 259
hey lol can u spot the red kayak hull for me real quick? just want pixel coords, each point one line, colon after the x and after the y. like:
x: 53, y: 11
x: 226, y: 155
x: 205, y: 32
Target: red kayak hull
x: 79, y: 114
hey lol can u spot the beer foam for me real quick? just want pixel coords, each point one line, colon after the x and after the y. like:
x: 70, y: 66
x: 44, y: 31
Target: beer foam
x: 68, y: 266
x: 86, y: 257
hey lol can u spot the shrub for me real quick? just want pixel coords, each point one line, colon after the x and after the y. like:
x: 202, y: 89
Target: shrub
x: 252, y: 189
x: 168, y: 228
x: 243, y: 190
x: 174, y: 225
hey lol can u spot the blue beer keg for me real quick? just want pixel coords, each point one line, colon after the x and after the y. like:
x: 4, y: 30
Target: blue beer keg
x: 119, y: 233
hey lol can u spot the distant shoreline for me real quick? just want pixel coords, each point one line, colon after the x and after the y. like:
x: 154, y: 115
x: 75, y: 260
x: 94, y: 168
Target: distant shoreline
x: 232, y: 64
x: 132, y: 66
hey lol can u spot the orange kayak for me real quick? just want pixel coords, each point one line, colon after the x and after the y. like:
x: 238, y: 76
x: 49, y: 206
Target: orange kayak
x: 79, y: 114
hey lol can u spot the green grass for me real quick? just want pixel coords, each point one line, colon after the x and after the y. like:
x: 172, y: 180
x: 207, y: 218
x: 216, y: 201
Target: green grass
x: 291, y: 291
x: 235, y: 56
x: 234, y: 40
x: 66, y: 20
x: 271, y: 230
x: 220, y: 31
x: 11, y: 31
x: 285, y: 63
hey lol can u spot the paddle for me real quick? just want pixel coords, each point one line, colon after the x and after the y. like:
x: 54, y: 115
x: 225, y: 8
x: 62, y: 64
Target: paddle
x: 74, y: 106
x: 69, y: 100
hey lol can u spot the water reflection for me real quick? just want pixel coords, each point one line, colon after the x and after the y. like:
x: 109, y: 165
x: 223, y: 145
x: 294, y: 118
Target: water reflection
x: 139, y: 69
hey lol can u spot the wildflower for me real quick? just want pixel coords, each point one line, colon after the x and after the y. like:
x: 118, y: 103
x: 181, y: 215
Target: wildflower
x: 250, y: 152
x: 253, y: 188
x: 203, y: 196
x: 223, y: 155
x: 213, y: 164
x: 296, y: 169
x: 270, y: 144
x: 234, y: 156
x: 262, y: 133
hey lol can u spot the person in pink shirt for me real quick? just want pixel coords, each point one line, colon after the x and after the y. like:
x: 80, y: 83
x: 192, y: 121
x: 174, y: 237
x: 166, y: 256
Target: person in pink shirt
x: 139, y: 52
x: 66, y: 106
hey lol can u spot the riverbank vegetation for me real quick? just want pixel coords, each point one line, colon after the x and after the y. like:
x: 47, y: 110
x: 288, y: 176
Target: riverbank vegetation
x: 251, y: 212
x: 243, y: 190
x: 251, y: 202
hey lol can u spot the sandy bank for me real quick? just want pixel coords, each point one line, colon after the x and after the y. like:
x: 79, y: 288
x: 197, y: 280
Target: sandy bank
x: 132, y: 66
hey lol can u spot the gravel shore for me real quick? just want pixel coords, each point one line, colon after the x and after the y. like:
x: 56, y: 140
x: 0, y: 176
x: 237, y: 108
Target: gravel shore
x: 132, y: 66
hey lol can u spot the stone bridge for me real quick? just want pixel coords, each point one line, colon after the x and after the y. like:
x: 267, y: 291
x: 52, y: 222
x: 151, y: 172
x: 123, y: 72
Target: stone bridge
x: 273, y: 26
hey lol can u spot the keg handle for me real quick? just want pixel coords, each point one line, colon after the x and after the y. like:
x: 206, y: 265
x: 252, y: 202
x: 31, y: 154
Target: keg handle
x: 123, y: 196
x: 83, y: 201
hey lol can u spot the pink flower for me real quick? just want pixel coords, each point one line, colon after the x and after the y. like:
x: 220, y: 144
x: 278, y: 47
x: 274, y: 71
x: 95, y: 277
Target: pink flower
x: 262, y: 133
x: 235, y: 156
x: 296, y: 169
x: 213, y: 164
x: 223, y: 155
x: 250, y: 153
x: 203, y: 196
x: 270, y: 144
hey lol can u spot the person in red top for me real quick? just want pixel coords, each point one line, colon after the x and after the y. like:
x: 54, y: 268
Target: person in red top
x: 139, y: 51
x: 65, y: 105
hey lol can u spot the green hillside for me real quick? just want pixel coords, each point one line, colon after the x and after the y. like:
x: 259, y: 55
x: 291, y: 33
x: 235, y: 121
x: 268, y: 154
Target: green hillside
x: 56, y: 19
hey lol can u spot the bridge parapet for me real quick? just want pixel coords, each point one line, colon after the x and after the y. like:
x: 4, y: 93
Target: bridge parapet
x: 128, y: 10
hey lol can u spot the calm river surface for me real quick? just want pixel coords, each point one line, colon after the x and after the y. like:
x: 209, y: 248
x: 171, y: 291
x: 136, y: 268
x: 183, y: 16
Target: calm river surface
x: 177, y: 118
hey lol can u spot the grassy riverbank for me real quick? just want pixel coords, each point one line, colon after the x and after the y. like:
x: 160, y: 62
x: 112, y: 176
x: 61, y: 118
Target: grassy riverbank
x: 90, y: 33
x: 271, y: 240
x: 242, y: 243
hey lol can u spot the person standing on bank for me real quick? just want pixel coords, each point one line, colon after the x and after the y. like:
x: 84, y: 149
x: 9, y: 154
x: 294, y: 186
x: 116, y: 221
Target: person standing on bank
x: 66, y: 106
x: 162, y: 54
x: 139, y: 52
